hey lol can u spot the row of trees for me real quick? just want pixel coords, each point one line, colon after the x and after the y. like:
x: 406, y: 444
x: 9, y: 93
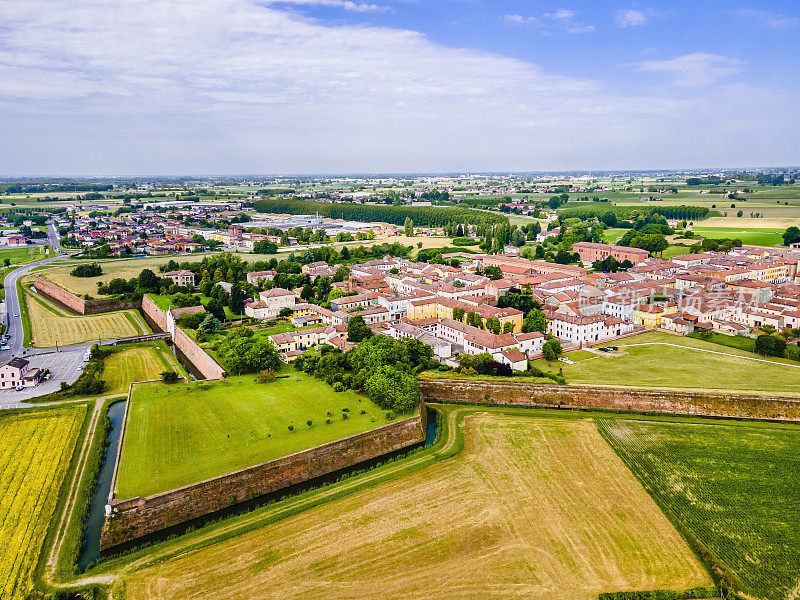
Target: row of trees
x: 422, y: 216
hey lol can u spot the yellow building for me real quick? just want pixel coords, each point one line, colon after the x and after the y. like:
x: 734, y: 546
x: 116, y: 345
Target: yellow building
x: 650, y: 315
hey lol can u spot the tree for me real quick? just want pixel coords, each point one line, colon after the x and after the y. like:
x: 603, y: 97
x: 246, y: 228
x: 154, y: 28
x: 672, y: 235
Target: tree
x: 508, y: 327
x: 739, y: 213
x: 770, y: 345
x: 535, y: 320
x: 358, y: 330
x: 210, y: 324
x: 169, y: 376
x: 148, y: 282
x: 408, y: 226
x: 265, y: 247
x: 389, y: 387
x: 551, y: 350
x: 458, y: 313
x: 216, y: 308
x: 307, y: 292
x: 236, y: 300
x: 285, y: 312
x: 791, y: 235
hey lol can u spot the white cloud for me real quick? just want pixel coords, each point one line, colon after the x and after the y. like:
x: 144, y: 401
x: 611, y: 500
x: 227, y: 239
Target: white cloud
x: 558, y: 21
x: 233, y: 86
x: 693, y: 70
x: 770, y: 20
x: 343, y: 4
x: 631, y: 18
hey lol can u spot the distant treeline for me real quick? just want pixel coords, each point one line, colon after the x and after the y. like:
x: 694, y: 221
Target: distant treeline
x: 422, y: 216
x: 34, y: 188
x: 689, y: 213
x: 18, y: 215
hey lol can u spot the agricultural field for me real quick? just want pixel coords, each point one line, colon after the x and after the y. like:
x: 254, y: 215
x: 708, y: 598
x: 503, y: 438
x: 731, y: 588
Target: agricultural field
x: 35, y: 450
x: 730, y: 487
x: 139, y: 363
x: 50, y: 325
x: 754, y: 237
x: 535, y: 506
x: 658, y: 359
x: 182, y: 433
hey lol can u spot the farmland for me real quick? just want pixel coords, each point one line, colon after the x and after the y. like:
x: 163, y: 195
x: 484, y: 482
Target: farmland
x: 730, y: 487
x: 536, y: 505
x: 140, y: 363
x: 50, y: 325
x: 662, y: 360
x: 183, y: 433
x: 35, y: 450
x: 752, y: 236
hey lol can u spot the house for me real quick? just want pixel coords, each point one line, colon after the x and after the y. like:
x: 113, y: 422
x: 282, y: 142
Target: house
x: 591, y: 251
x: 273, y: 301
x: 182, y: 278
x: 650, y: 315
x: 13, y: 372
x: 257, y: 277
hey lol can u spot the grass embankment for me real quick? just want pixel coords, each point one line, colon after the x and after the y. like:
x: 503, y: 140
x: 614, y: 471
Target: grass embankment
x: 536, y: 505
x: 50, y: 325
x: 662, y: 360
x: 730, y: 488
x: 184, y: 433
x: 140, y: 362
x: 35, y: 451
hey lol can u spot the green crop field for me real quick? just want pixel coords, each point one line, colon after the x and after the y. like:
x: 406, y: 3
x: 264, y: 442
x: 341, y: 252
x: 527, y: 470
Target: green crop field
x: 755, y: 237
x: 35, y: 450
x: 658, y: 359
x: 731, y: 487
x: 182, y: 433
x: 535, y: 506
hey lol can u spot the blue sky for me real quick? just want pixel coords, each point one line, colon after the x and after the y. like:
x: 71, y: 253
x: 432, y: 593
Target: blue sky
x: 132, y: 87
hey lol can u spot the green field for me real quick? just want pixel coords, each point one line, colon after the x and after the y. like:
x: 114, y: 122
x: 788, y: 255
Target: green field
x: 731, y: 487
x: 684, y: 363
x: 536, y: 505
x: 142, y: 362
x: 182, y: 433
x: 21, y: 256
x: 755, y: 237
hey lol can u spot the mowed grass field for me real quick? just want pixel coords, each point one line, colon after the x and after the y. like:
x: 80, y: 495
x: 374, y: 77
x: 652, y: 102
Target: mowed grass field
x: 183, y: 433
x: 749, y: 236
x: 140, y: 363
x: 658, y: 359
x: 20, y: 256
x: 35, y: 450
x: 534, y: 507
x: 50, y: 325
x: 731, y: 487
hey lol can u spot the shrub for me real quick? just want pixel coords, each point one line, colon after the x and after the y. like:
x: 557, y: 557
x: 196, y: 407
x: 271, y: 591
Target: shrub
x: 390, y: 415
x: 345, y: 416
x: 363, y: 412
x: 291, y: 427
x: 266, y: 376
x: 327, y: 421
x: 169, y: 376
x: 338, y: 386
x: 309, y: 422
x: 87, y: 270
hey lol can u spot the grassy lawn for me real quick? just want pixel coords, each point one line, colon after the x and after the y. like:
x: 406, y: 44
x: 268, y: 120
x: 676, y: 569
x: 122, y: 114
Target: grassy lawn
x: 24, y: 255
x: 674, y: 250
x: 752, y: 236
x: 35, y: 450
x: 731, y: 487
x: 183, y: 433
x: 51, y: 325
x: 536, y: 506
x: 610, y: 236
x: 687, y: 363
x: 137, y: 363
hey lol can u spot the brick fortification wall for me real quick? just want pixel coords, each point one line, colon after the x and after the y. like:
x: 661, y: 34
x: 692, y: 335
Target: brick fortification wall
x: 60, y: 295
x: 751, y: 406
x: 76, y: 303
x: 138, y: 517
x: 194, y: 353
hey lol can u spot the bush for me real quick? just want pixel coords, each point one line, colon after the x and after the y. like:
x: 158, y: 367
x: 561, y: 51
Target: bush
x: 291, y: 427
x: 266, y: 376
x: 169, y: 376
x: 309, y: 423
x: 87, y: 270
x: 327, y: 421
x: 338, y: 386
x: 345, y: 416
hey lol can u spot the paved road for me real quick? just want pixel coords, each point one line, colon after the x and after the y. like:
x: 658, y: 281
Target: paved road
x: 65, y: 365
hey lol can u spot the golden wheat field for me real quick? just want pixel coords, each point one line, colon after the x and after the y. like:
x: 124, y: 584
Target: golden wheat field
x: 35, y: 450
x: 536, y: 508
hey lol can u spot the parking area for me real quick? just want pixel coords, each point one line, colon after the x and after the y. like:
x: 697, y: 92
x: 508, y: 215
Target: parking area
x: 65, y: 365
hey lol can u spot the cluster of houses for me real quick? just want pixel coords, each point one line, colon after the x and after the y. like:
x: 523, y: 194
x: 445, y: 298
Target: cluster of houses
x: 454, y: 310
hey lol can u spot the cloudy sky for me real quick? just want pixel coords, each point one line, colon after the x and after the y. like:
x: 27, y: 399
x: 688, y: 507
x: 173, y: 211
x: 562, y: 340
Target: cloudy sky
x: 128, y: 87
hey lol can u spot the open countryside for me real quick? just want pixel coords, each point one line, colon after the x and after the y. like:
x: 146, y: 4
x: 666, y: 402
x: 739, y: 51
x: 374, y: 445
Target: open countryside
x: 533, y: 507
